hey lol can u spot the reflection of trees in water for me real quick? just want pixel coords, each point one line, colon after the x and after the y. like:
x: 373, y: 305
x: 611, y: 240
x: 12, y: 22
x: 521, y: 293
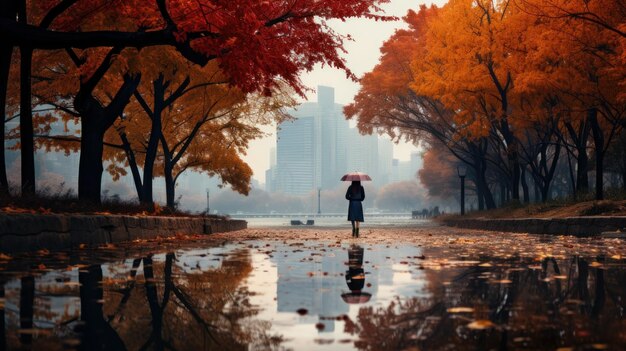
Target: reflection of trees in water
x: 177, y: 307
x: 3, y: 335
x: 530, y: 309
x: 193, y: 309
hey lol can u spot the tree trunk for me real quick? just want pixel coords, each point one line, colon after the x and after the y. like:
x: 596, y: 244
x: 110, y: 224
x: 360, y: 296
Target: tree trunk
x: 153, y: 141
x: 5, y: 65
x: 545, y: 190
x: 600, y: 295
x: 525, y: 186
x: 570, y: 169
x: 515, y: 179
x: 151, y: 153
x: 98, y: 334
x: 3, y: 335
x: 480, y: 195
x: 27, y: 304
x: 27, y: 148
x: 153, y: 301
x: 170, y: 186
x: 582, y: 176
x: 598, y: 140
x: 132, y: 163
x: 90, y: 166
x: 95, y: 121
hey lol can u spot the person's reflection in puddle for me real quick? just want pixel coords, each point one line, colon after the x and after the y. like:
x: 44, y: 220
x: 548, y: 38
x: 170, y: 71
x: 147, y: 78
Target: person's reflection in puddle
x: 355, y: 277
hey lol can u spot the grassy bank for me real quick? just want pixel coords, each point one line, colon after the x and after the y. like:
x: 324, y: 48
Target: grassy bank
x: 48, y: 203
x: 555, y: 209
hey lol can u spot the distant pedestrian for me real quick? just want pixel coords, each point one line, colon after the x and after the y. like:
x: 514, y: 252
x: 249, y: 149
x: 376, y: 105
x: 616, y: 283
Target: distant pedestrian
x: 355, y: 195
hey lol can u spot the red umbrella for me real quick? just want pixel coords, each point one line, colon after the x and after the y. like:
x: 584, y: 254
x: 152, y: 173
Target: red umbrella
x: 352, y: 176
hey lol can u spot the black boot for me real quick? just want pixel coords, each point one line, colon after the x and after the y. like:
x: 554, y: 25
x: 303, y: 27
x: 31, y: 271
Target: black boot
x: 357, y: 232
x: 353, y: 232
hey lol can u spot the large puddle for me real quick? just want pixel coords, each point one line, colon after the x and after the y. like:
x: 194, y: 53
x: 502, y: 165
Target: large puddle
x: 317, y: 295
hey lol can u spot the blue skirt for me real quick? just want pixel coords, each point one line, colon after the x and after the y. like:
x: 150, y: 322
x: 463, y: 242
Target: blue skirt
x: 355, y: 211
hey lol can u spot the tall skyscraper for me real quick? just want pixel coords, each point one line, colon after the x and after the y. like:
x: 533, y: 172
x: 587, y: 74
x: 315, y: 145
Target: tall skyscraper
x: 316, y: 149
x: 297, y: 152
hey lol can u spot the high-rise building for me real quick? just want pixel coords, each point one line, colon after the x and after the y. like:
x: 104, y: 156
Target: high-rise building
x: 298, y: 152
x: 316, y: 149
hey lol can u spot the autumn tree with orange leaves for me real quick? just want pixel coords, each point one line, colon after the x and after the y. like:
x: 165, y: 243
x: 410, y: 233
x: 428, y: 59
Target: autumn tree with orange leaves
x: 527, y: 84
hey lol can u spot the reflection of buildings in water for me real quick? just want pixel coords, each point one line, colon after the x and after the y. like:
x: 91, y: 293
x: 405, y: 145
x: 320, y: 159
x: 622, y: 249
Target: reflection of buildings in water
x: 321, y: 294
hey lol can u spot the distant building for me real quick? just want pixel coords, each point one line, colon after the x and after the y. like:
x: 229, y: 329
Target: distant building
x: 316, y: 149
x: 406, y: 170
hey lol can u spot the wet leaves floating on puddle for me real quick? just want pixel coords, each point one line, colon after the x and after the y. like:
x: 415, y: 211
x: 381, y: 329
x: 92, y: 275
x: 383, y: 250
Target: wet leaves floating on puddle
x: 481, y: 324
x: 460, y: 310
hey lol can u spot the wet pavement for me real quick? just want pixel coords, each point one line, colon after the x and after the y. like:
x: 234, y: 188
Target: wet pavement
x: 426, y: 288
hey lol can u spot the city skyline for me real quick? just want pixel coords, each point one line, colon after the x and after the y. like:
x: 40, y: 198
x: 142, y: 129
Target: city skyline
x: 318, y: 147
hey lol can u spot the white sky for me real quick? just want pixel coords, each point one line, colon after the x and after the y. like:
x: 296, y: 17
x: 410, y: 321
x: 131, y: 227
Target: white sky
x: 362, y: 56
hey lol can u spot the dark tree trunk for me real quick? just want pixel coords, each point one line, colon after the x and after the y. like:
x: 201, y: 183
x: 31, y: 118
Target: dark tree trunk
x: 27, y: 302
x: 153, y: 142
x: 582, y: 281
x: 153, y: 301
x: 482, y: 180
x: 600, y: 295
x: 5, y: 65
x: 582, y: 175
x: 3, y: 335
x: 27, y: 148
x: 525, y: 186
x: 95, y: 121
x: 97, y: 333
x: 579, y: 137
x: 545, y: 191
x: 151, y: 153
x: 570, y: 169
x: 598, y: 140
x: 132, y: 163
x: 515, y: 176
x: 170, y: 187
x: 537, y: 190
x: 8, y: 10
x: 480, y: 196
x: 90, y: 166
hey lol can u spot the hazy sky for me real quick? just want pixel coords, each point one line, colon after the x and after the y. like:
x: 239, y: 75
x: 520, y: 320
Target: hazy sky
x: 362, y: 56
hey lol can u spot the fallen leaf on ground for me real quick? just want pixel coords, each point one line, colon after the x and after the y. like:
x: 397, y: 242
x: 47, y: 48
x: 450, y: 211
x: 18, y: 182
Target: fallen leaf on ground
x: 481, y: 324
x: 460, y: 310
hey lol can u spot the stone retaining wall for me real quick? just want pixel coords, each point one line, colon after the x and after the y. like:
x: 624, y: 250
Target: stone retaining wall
x: 27, y: 232
x: 578, y: 226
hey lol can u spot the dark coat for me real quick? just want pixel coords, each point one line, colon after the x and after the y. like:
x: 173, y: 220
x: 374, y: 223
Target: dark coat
x: 355, y: 208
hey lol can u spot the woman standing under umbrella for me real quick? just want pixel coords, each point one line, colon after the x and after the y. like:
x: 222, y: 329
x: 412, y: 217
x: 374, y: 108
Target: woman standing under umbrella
x: 356, y: 195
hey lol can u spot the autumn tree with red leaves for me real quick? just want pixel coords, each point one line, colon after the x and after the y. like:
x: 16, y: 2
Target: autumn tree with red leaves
x: 256, y: 43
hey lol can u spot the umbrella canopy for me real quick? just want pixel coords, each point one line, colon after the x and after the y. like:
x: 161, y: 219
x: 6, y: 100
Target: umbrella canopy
x: 360, y: 176
x: 356, y: 298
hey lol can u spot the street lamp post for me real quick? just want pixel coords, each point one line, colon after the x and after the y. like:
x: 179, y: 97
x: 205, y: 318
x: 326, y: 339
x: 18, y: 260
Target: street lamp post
x: 208, y: 208
x: 462, y: 172
x: 319, y: 201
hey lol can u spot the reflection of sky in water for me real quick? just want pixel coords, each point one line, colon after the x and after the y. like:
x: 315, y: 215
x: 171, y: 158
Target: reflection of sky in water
x: 517, y: 294
x: 290, y: 280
